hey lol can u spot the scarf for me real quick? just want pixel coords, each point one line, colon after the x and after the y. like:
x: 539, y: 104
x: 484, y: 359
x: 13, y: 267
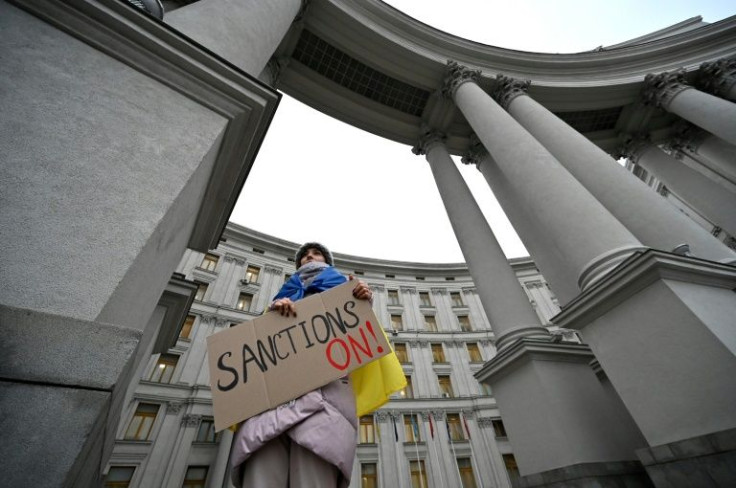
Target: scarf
x: 310, y: 279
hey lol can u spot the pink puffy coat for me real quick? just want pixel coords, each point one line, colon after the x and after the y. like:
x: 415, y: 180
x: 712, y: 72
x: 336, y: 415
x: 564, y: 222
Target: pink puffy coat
x: 323, y: 421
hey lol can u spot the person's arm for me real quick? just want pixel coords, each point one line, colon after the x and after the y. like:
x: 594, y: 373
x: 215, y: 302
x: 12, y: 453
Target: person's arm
x: 284, y: 306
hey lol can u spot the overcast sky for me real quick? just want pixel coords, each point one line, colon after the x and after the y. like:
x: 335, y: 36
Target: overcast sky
x: 316, y: 178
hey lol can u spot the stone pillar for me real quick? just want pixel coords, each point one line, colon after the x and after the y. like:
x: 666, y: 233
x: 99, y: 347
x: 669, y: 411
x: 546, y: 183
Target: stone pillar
x: 719, y: 78
x: 655, y: 222
x: 505, y: 303
x: 245, y: 33
x: 220, y: 475
x: 177, y: 467
x: 714, y: 201
x: 671, y: 92
x: 715, y: 154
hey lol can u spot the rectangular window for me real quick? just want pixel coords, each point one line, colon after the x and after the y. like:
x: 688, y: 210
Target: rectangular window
x: 430, y: 323
x: 119, y: 476
x: 186, y: 328
x: 259, y: 251
x: 206, y: 432
x: 209, y: 262
x: 368, y: 475
x: 419, y: 278
x: 245, y: 300
x: 393, y: 297
x: 498, y: 428
x: 512, y: 468
x: 408, y: 391
x: 252, y: 273
x: 438, y: 353
x: 445, y: 385
x: 464, y: 322
x: 424, y: 300
x: 485, y: 388
x: 164, y: 369
x: 474, y: 352
x: 465, y: 467
x: 195, y: 477
x: 418, y: 474
x: 390, y: 276
x: 140, y: 426
x: 411, y: 428
x: 367, y: 430
x: 396, y: 322
x: 401, y: 353
x: 457, y: 299
x: 358, y: 273
x: 454, y: 427
x: 201, y: 290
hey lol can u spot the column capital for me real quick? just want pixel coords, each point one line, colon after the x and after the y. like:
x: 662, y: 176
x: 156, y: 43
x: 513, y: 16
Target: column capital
x: 381, y: 416
x: 274, y: 67
x: 633, y: 145
x: 191, y: 420
x: 660, y: 89
x: 475, y: 153
x: 457, y: 74
x: 508, y: 88
x: 718, y: 77
x: 428, y: 140
x: 687, y: 136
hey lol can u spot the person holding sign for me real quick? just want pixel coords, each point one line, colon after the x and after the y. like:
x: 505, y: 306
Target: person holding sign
x: 311, y: 441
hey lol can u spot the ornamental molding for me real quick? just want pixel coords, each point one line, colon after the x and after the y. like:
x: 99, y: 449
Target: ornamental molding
x: 428, y: 140
x: 191, y: 420
x: 476, y: 152
x: 455, y: 75
x: 173, y: 407
x: 687, y: 137
x: 425, y: 415
x: 468, y: 290
x: 438, y: 291
x: 718, y: 77
x: 484, y: 421
x: 414, y: 343
x: 377, y: 287
x: 659, y: 90
x: 382, y: 416
x: 634, y: 146
x: 438, y: 414
x: 229, y: 258
x: 469, y: 414
x: 485, y: 343
x: 208, y: 319
x: 222, y: 323
x: 273, y: 269
x: 534, y: 284
x: 409, y: 290
x: 508, y: 88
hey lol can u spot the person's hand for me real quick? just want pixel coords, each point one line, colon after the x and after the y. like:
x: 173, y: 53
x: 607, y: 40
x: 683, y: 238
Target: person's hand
x: 284, y: 306
x: 362, y: 291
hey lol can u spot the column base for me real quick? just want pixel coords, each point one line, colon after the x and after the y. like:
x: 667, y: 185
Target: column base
x: 706, y: 461
x: 629, y: 474
x: 661, y: 326
x: 556, y: 411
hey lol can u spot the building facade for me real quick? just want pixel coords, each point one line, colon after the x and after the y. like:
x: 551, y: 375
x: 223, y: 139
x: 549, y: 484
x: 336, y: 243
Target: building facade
x: 435, y: 322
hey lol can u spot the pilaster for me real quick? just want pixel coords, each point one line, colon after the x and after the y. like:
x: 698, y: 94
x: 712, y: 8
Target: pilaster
x: 719, y: 78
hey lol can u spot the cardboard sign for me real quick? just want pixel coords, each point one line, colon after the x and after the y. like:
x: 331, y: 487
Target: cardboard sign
x: 262, y: 363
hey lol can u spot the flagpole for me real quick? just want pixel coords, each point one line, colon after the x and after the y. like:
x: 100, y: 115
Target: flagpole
x: 415, y: 429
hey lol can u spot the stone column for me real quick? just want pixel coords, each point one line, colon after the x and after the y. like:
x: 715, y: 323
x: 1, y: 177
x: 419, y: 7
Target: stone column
x: 714, y: 201
x: 246, y: 33
x: 220, y: 476
x: 671, y: 92
x: 654, y: 221
x: 719, y: 78
x: 588, y: 237
x: 715, y: 154
x: 178, y: 464
x: 505, y: 303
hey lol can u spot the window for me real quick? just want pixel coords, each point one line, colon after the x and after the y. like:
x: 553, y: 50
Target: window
x: 464, y: 322
x: 195, y: 477
x: 119, y: 476
x: 511, y: 467
x: 485, y: 389
x: 411, y: 428
x: 390, y: 276
x: 209, y: 262
x: 396, y: 323
x: 400, y: 350
x: 419, y: 278
x: 424, y: 300
x: 201, y: 290
x: 393, y: 297
x: 245, y: 300
x: 499, y: 430
x: 140, y: 426
x: 186, y: 328
x: 259, y: 251
x: 430, y: 323
x: 368, y: 477
x: 456, y: 299
x: 367, y: 430
x: 466, y: 472
x: 164, y: 369
x: 251, y: 274
x: 206, y: 432
x: 474, y: 352
x: 438, y: 353
x: 408, y: 391
x: 449, y: 278
x: 358, y: 273
x: 418, y: 474
x: 445, y: 385
x: 454, y: 428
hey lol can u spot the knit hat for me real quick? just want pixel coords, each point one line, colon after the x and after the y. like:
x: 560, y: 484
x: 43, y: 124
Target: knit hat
x: 313, y: 245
